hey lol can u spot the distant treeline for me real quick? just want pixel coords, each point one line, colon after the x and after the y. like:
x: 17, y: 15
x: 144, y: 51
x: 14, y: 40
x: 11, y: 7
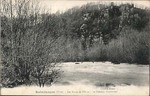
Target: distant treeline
x: 33, y: 43
x: 92, y: 32
x: 96, y: 32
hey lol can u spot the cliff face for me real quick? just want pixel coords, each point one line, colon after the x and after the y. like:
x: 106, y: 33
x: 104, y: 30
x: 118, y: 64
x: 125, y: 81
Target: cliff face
x: 108, y: 21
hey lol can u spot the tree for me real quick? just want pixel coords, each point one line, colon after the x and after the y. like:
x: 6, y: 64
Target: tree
x: 25, y: 48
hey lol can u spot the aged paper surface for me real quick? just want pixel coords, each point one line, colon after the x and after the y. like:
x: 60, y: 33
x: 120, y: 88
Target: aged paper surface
x: 86, y: 76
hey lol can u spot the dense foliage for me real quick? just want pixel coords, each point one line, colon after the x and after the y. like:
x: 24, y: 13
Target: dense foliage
x: 100, y: 25
x: 33, y: 43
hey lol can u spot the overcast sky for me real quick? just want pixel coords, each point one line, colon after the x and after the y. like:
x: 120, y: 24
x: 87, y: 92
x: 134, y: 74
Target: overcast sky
x: 63, y: 5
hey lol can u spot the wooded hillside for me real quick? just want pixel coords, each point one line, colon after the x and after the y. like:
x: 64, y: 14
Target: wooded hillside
x: 30, y: 41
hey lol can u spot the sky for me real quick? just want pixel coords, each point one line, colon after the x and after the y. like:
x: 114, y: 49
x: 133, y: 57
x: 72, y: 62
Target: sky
x: 63, y: 5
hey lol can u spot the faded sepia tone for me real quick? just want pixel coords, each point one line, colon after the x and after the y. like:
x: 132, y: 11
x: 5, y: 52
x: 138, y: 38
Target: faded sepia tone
x: 68, y: 47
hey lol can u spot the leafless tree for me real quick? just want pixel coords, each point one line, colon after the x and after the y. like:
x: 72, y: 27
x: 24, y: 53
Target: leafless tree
x: 25, y: 49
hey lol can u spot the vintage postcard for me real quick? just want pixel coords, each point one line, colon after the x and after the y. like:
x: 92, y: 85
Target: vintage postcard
x: 75, y: 47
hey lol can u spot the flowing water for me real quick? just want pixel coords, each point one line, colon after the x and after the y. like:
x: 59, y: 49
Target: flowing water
x: 96, y: 78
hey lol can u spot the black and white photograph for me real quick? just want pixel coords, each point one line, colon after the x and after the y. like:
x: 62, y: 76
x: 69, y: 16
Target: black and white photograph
x: 75, y: 47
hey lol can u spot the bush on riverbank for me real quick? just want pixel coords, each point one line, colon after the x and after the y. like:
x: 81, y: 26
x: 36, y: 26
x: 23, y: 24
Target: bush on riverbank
x: 130, y: 47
